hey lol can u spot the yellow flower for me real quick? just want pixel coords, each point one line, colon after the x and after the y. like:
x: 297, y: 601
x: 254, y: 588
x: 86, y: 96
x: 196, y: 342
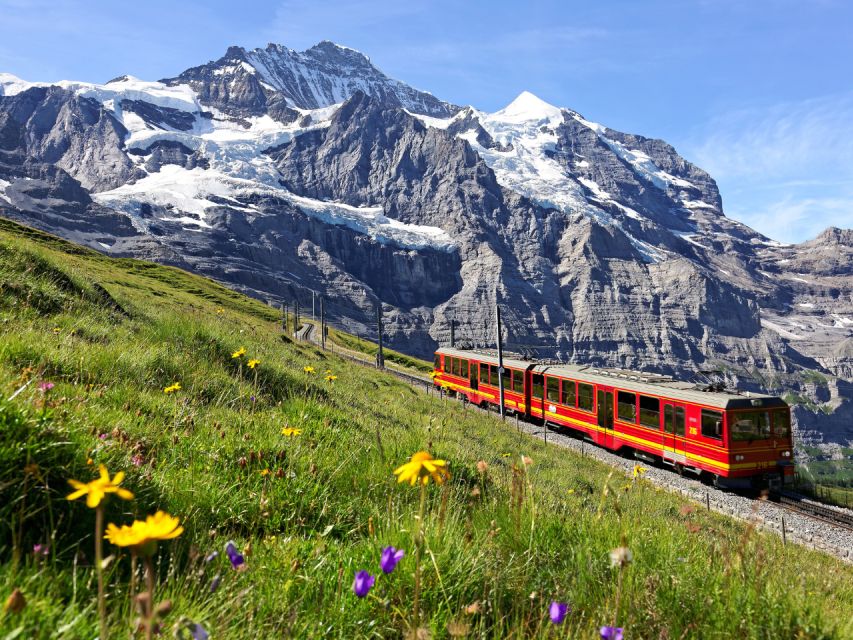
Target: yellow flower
x: 240, y: 352
x: 638, y: 471
x: 290, y: 431
x: 421, y: 467
x: 571, y: 491
x: 144, y: 534
x: 308, y: 369
x: 265, y: 472
x: 57, y: 330
x: 172, y: 388
x: 328, y: 371
x: 253, y: 363
x: 331, y: 378
x: 99, y: 487
x: 505, y: 455
x: 220, y: 310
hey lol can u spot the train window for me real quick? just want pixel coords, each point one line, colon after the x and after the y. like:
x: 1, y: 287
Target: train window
x: 712, y: 424
x: 567, y: 397
x: 484, y: 373
x: 463, y: 365
x: 552, y: 389
x: 650, y: 412
x: 749, y: 425
x: 538, y: 385
x: 781, y: 424
x: 679, y: 421
x: 585, y: 396
x: 436, y: 363
x: 507, y: 376
x: 626, y: 406
x: 668, y: 415
x: 493, y: 375
x: 447, y: 368
x: 518, y: 381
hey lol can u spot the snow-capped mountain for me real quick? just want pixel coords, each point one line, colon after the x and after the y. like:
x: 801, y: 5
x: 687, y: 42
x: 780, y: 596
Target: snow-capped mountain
x: 279, y: 171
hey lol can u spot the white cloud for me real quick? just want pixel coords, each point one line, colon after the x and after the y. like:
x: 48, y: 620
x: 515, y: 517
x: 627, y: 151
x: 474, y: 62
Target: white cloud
x: 786, y: 169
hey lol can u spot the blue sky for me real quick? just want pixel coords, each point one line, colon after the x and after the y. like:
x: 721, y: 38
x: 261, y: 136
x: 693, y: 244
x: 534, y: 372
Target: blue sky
x: 757, y: 92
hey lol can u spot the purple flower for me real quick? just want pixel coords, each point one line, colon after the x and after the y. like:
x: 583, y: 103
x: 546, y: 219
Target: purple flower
x: 390, y: 558
x: 236, y: 558
x: 198, y: 632
x: 611, y: 633
x: 137, y: 460
x: 214, y: 584
x: 45, y: 386
x: 41, y: 549
x: 557, y: 612
x: 103, y: 436
x: 363, y: 583
x: 252, y: 399
x: 211, y: 556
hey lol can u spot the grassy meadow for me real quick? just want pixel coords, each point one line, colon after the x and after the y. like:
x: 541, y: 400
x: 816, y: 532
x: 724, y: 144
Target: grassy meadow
x: 296, y: 466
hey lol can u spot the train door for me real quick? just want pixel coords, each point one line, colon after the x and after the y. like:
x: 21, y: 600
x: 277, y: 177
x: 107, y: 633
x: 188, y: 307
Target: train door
x: 605, y: 417
x: 537, y: 395
x: 673, y: 437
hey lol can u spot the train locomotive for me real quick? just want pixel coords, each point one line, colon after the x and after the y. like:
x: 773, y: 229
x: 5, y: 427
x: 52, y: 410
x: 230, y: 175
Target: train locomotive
x: 738, y: 441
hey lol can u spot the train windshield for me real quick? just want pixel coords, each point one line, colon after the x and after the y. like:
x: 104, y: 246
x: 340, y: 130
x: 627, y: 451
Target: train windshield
x: 750, y: 425
x: 759, y: 425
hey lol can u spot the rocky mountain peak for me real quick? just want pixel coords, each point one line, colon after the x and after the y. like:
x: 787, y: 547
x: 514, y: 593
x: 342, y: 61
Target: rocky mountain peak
x: 834, y: 236
x: 527, y: 107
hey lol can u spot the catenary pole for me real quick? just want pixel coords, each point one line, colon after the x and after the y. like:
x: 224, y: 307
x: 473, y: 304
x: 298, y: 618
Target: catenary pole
x: 380, y: 358
x: 500, y: 363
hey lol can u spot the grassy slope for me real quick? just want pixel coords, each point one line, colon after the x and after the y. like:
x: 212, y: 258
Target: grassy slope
x: 111, y: 334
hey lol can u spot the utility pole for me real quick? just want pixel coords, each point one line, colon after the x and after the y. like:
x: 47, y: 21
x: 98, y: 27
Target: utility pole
x: 452, y: 333
x: 322, y: 324
x: 500, y: 364
x: 380, y: 359
x: 284, y: 323
x: 296, y: 318
x: 313, y: 317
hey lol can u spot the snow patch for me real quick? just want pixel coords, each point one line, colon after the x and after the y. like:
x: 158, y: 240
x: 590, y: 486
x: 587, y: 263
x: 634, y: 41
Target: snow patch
x: 806, y: 305
x: 780, y: 330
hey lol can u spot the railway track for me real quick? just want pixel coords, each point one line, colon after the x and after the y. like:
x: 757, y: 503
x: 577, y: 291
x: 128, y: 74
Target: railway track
x: 802, y: 505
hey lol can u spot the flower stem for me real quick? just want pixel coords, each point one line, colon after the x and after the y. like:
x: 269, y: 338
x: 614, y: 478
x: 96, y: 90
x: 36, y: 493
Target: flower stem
x: 99, y: 569
x: 419, y: 543
x: 132, y: 582
x: 618, y: 595
x: 149, y: 613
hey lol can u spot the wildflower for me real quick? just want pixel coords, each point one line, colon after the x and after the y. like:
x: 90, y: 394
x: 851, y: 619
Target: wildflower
x: 253, y: 363
x: 331, y: 378
x: 638, y: 471
x: 473, y: 608
x: 390, y: 558
x: 611, y: 633
x: 308, y: 369
x: 328, y: 371
x: 98, y: 488
x: 238, y: 562
x: 265, y: 472
x: 505, y: 455
x: 290, y: 431
x: 363, y: 583
x: 41, y: 549
x: 89, y: 461
x: 571, y: 491
x: 240, y: 352
x: 137, y: 460
x: 620, y: 557
x: 172, y: 388
x: 458, y: 629
x: 15, y: 603
x: 214, y: 584
x: 220, y: 310
x: 421, y: 467
x: 45, y: 386
x: 526, y: 461
x: 57, y: 331
x: 210, y: 557
x: 557, y: 612
x: 144, y: 534
x: 198, y: 632
x: 482, y: 466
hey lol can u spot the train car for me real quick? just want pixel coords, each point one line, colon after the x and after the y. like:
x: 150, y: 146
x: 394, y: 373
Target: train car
x: 738, y: 440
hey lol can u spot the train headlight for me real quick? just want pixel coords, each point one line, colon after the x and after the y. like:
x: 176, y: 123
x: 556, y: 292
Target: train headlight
x: 738, y: 458
x: 786, y: 454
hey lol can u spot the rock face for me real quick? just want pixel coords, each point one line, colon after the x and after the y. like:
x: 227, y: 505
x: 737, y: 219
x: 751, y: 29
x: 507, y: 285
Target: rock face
x: 284, y: 173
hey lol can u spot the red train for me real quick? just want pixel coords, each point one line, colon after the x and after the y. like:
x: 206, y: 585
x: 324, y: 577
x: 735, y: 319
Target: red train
x: 739, y: 440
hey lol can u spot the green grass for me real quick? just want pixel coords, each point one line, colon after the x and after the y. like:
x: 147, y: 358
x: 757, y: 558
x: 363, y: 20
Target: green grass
x: 500, y: 545
x: 355, y: 343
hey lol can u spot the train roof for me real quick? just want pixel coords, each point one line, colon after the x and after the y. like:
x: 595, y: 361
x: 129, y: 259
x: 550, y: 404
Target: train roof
x: 639, y: 381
